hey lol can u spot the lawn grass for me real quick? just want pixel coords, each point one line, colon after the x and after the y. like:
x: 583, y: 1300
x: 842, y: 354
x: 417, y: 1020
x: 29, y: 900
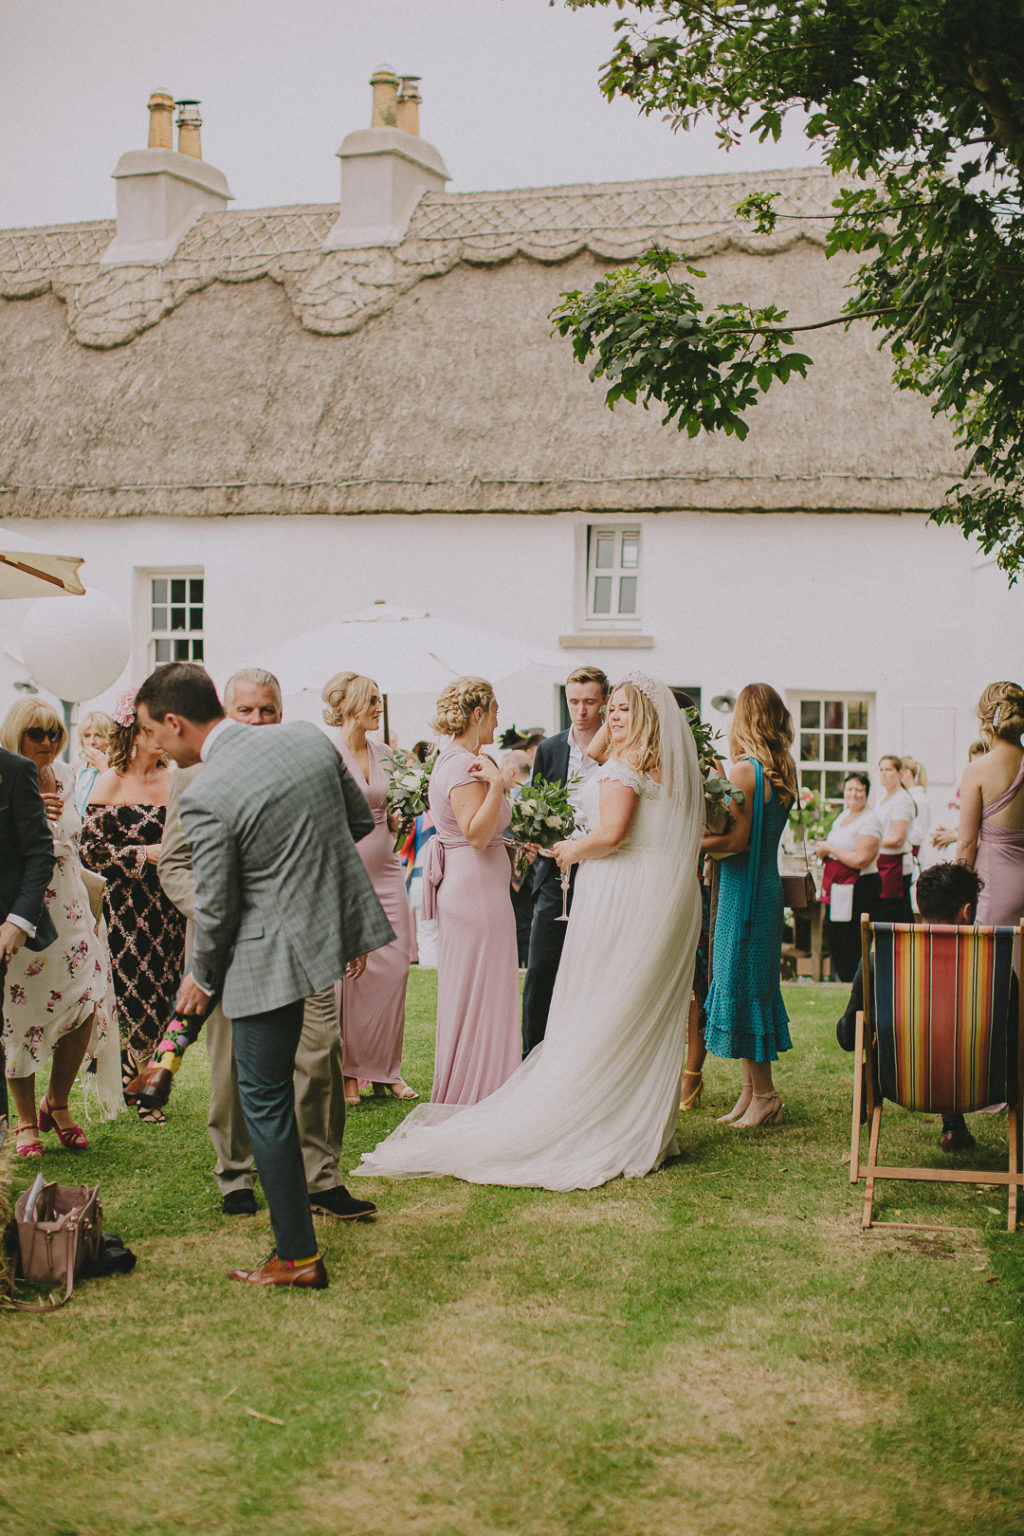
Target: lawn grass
x: 714, y: 1348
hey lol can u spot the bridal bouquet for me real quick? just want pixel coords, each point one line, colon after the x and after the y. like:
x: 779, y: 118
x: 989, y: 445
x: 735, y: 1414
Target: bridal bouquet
x: 542, y: 814
x: 718, y: 790
x: 408, y: 782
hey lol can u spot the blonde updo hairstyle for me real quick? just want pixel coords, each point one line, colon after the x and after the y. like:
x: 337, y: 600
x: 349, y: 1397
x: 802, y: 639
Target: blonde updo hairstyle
x: 642, y: 746
x: 346, y: 695
x: 1001, y: 712
x: 457, y: 702
x: 917, y: 770
x: 22, y: 716
x: 762, y: 728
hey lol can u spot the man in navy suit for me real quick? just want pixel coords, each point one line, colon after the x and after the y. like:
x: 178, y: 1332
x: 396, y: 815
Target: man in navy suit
x: 26, y: 864
x: 560, y: 759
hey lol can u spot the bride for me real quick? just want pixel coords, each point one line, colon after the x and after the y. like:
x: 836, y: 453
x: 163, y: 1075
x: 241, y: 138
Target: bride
x: 600, y: 1095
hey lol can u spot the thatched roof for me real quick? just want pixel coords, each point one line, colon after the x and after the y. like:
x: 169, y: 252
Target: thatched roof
x: 255, y: 374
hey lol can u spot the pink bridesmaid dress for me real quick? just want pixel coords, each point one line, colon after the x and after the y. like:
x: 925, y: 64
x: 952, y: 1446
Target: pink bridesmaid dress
x: 373, y: 1007
x: 478, y: 1037
x: 999, y: 861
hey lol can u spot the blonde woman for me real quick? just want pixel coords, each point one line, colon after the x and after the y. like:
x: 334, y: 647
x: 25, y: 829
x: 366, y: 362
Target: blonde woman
x: 373, y: 1005
x: 599, y: 1097
x: 124, y: 828
x: 93, y: 735
x: 991, y: 836
x: 747, y: 1018
x: 466, y: 886
x: 55, y: 996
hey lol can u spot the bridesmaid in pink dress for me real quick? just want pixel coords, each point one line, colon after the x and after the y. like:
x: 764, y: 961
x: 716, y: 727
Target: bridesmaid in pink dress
x: 466, y: 885
x: 373, y: 1005
x: 991, y: 835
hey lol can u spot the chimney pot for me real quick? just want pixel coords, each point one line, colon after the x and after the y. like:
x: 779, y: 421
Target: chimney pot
x: 161, y: 115
x: 385, y: 98
x: 408, y: 118
x: 189, y: 124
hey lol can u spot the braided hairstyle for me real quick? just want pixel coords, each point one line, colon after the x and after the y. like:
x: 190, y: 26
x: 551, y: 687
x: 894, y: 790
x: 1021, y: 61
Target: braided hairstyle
x: 457, y: 702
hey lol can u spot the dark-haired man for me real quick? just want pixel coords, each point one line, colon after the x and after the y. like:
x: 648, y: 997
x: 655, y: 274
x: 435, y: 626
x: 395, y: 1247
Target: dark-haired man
x: 283, y: 907
x: 946, y: 893
x: 252, y: 696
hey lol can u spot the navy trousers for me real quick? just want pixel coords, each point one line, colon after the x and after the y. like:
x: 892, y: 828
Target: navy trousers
x: 547, y: 935
x: 265, y: 1046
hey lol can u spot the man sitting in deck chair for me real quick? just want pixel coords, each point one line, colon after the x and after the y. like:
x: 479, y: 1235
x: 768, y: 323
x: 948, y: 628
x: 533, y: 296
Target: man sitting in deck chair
x: 946, y: 893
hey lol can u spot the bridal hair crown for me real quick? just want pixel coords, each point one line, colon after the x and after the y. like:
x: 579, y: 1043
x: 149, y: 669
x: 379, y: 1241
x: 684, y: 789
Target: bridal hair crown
x: 643, y: 681
x: 124, y: 709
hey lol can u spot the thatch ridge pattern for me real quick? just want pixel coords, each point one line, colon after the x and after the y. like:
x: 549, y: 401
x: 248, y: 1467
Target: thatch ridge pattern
x: 335, y: 293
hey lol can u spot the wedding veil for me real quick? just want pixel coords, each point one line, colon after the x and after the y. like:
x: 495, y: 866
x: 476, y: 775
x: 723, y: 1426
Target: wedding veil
x: 676, y: 818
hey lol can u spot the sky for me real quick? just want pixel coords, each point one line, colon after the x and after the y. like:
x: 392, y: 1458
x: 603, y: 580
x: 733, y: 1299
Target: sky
x: 510, y: 96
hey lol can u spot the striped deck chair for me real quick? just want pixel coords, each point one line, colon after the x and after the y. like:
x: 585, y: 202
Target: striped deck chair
x: 936, y: 1035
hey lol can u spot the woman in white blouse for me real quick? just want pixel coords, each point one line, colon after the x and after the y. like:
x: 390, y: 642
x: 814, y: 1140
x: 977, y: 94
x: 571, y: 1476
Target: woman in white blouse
x: 896, y: 812
x: 850, y: 855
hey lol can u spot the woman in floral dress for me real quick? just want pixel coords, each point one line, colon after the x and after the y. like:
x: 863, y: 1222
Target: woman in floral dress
x: 124, y: 828
x: 55, y: 996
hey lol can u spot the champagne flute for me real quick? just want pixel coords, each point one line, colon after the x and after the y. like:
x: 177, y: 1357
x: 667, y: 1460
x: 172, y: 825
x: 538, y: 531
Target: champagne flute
x: 563, y: 880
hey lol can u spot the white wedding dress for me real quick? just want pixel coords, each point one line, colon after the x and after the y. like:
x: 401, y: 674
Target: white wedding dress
x: 599, y: 1097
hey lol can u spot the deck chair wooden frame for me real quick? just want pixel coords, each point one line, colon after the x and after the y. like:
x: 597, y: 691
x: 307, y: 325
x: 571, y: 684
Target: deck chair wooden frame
x: 863, y: 1083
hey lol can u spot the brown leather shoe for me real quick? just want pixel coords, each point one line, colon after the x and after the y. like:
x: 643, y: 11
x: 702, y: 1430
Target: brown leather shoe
x: 152, y: 1087
x: 309, y: 1277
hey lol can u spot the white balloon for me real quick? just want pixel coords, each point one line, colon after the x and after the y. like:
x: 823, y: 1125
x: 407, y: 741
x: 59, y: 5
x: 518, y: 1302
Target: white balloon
x: 76, y: 647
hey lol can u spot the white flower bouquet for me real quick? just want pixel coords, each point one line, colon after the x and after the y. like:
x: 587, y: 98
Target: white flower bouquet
x: 408, y: 783
x: 542, y: 814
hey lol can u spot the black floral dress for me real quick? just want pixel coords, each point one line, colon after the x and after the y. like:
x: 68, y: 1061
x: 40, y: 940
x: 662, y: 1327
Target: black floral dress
x: 146, y: 931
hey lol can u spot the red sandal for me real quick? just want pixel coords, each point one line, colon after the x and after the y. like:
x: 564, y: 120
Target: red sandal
x: 72, y: 1137
x: 29, y: 1148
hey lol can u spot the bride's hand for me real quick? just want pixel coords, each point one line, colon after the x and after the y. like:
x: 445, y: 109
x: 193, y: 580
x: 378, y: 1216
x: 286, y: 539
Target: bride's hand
x: 566, y: 854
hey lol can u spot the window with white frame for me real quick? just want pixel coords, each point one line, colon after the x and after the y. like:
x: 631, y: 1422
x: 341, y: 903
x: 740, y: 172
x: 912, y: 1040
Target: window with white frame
x: 176, y: 609
x: 613, y: 573
x: 832, y: 738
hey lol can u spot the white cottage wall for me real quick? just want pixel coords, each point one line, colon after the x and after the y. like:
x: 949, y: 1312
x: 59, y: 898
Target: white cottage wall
x: 833, y: 602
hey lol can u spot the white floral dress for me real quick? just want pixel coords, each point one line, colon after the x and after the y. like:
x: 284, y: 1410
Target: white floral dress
x: 51, y: 991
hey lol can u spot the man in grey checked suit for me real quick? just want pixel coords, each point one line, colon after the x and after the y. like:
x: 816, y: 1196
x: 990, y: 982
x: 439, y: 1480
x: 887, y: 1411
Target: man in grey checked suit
x: 283, y: 908
x: 253, y: 697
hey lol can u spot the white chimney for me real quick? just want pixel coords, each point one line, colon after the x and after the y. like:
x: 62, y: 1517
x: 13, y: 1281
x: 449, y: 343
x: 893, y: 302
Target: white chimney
x: 162, y: 191
x: 385, y: 169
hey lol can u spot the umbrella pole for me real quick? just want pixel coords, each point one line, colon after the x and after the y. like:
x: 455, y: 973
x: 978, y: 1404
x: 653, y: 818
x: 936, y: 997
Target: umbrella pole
x: 66, y: 708
x: 387, y: 733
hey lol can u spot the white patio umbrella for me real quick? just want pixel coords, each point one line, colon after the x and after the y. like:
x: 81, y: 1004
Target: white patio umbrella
x: 403, y: 652
x: 32, y: 573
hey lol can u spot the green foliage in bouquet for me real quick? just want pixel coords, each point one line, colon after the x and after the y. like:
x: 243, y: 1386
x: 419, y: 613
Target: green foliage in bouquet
x: 718, y: 790
x: 542, y: 814
x: 408, y: 783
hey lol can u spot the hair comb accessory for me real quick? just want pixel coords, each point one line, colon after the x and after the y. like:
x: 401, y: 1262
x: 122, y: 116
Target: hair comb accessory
x: 643, y: 681
x: 995, y: 715
x: 124, y: 709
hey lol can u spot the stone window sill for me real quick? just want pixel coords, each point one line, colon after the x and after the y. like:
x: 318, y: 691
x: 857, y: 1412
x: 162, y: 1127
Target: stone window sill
x: 607, y: 640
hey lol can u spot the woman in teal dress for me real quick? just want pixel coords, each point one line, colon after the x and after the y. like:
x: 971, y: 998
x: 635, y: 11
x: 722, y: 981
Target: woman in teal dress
x: 747, y: 1019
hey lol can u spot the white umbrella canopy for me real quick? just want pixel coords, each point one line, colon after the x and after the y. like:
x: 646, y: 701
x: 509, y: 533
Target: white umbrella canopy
x: 32, y: 573
x: 404, y: 653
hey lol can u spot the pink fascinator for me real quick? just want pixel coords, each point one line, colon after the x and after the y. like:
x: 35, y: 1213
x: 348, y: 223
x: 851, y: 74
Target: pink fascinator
x: 124, y: 709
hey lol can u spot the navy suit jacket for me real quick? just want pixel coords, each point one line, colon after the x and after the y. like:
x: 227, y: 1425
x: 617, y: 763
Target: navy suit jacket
x: 26, y: 847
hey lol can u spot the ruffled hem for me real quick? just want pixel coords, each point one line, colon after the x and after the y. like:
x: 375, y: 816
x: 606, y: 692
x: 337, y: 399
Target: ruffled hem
x: 762, y: 1035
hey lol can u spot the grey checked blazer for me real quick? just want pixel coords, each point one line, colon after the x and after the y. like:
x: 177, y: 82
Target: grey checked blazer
x: 283, y: 901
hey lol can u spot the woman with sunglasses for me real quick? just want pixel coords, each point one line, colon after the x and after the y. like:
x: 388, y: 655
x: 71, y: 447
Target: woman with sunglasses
x: 124, y: 828
x: 55, y: 997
